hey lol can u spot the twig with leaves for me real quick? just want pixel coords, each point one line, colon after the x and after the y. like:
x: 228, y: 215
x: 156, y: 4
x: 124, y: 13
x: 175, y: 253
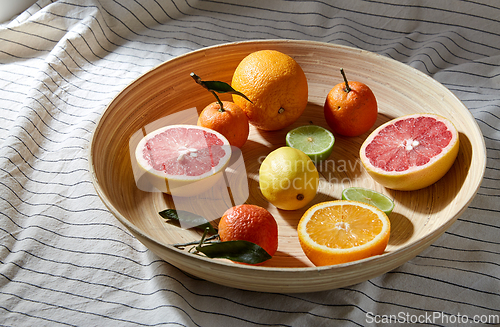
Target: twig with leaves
x: 212, y: 246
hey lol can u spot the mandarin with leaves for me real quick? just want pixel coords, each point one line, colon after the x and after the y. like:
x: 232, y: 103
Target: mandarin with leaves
x: 228, y: 119
x: 224, y: 117
x: 252, y: 223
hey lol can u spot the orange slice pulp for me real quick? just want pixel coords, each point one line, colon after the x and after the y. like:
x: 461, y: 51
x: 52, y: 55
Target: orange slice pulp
x: 341, y: 231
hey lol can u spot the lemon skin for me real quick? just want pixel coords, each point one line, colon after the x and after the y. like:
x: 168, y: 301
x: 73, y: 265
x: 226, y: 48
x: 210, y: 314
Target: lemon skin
x: 288, y: 178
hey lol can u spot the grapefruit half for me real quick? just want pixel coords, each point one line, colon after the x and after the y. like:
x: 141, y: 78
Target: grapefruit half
x: 183, y: 160
x: 410, y: 152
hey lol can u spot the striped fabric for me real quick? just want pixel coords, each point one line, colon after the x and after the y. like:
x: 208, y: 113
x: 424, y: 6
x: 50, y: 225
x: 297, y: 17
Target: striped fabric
x: 66, y: 261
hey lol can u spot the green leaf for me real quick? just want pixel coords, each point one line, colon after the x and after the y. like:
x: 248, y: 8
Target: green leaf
x: 240, y: 251
x: 217, y: 86
x: 188, y: 218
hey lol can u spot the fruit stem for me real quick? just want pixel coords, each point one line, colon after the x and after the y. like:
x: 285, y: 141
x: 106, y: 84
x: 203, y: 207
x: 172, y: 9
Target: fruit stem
x: 347, y: 88
x: 221, y: 106
x: 202, y: 238
x: 206, y: 240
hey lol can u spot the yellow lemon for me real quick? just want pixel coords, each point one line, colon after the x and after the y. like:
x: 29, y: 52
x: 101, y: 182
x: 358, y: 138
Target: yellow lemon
x: 288, y: 178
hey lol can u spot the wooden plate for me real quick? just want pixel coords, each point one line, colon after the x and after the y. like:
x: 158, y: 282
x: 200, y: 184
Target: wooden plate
x: 167, y: 94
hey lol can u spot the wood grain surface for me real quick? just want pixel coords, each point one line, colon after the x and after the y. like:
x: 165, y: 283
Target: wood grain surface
x: 168, y: 95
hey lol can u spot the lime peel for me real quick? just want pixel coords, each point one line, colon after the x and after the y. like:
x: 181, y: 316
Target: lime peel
x: 315, y: 141
x: 379, y: 200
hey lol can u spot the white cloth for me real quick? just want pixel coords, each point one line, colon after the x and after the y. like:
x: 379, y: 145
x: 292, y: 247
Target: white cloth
x: 65, y: 259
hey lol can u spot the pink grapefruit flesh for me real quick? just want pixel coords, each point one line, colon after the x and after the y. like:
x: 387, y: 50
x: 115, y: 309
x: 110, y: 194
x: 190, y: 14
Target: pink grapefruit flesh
x: 410, y: 152
x: 183, y: 160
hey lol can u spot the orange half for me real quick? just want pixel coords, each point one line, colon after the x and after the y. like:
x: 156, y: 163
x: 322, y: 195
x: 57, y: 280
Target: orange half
x: 335, y: 232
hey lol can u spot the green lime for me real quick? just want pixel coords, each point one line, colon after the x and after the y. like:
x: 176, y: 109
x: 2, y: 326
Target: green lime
x: 315, y: 141
x: 365, y: 195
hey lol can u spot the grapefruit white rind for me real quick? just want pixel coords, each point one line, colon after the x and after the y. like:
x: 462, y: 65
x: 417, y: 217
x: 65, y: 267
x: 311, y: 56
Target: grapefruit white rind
x: 415, y: 177
x: 182, y: 185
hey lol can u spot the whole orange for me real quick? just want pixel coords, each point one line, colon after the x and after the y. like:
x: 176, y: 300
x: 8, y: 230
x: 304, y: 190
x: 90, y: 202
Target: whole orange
x: 248, y: 222
x: 350, y: 111
x: 230, y: 121
x: 276, y: 85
